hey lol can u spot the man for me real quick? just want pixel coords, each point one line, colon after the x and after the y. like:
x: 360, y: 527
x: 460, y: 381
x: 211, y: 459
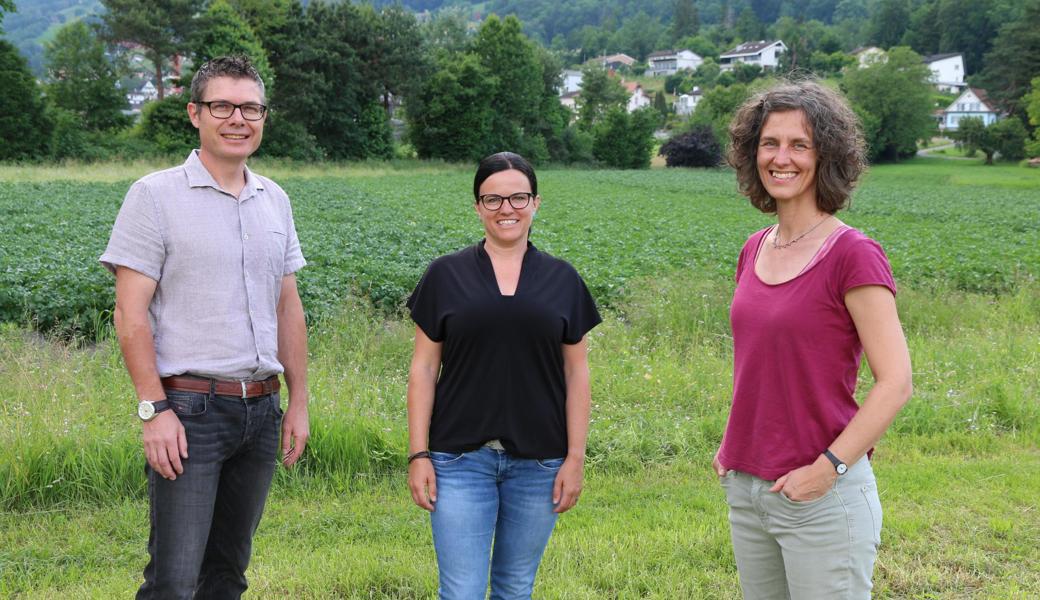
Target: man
x: 208, y: 314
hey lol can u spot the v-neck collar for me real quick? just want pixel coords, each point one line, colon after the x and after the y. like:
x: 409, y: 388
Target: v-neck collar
x: 487, y: 270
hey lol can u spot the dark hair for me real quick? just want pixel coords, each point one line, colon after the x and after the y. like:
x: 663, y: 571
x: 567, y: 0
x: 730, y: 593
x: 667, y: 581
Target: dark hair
x: 836, y: 136
x: 503, y: 161
x: 236, y: 67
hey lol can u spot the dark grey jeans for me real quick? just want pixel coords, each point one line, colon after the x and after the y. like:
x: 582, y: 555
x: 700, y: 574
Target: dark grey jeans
x: 202, y: 523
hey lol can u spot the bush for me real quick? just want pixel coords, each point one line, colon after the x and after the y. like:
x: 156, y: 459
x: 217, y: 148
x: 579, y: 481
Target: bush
x: 1009, y: 137
x: 288, y: 139
x: 624, y: 140
x: 165, y: 124
x: 695, y: 148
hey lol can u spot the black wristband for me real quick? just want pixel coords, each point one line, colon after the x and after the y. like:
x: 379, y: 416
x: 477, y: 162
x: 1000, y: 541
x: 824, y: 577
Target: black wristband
x: 419, y: 454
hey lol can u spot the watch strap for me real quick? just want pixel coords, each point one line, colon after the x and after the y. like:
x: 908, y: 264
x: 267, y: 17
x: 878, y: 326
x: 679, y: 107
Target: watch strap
x: 161, y: 405
x: 839, y: 465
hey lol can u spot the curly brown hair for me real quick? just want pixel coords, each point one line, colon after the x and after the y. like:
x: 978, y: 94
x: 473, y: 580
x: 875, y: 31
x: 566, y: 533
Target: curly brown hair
x: 836, y: 134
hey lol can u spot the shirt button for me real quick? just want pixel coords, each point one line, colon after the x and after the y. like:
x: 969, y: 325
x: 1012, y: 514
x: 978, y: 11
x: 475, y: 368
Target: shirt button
x: 245, y: 237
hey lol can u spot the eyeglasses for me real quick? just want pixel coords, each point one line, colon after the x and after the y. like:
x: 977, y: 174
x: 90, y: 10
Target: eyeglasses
x: 517, y: 201
x: 221, y: 109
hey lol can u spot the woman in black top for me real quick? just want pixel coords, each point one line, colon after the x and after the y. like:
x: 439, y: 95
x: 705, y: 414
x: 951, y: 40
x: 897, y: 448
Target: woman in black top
x: 498, y: 393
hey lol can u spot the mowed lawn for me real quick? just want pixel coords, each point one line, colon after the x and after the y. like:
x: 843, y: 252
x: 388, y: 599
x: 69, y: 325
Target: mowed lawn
x: 958, y: 473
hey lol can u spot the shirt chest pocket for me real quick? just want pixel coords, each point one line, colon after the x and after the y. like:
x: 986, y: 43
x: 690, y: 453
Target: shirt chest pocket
x: 275, y: 242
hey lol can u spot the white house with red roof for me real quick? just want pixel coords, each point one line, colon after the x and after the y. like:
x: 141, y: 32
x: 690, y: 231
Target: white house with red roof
x: 972, y: 103
x: 947, y: 71
x: 637, y: 96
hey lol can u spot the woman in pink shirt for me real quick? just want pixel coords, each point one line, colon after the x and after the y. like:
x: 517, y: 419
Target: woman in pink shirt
x: 812, y: 295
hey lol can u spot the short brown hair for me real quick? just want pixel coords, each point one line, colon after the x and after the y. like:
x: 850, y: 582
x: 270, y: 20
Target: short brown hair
x: 235, y: 67
x: 836, y: 136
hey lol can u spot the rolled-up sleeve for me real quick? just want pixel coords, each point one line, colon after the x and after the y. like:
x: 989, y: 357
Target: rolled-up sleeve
x: 137, y: 241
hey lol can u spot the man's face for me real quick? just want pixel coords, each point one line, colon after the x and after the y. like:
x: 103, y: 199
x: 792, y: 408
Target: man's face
x: 232, y: 139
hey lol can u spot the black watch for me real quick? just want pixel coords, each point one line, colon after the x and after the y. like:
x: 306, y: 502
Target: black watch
x: 147, y: 410
x: 839, y: 466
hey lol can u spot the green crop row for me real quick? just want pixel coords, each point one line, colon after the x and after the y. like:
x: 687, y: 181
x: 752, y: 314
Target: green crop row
x: 960, y: 226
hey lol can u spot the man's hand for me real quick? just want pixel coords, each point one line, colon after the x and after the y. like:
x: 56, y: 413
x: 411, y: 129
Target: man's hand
x: 422, y: 481
x: 807, y: 483
x: 165, y: 444
x: 295, y: 431
x: 568, y: 484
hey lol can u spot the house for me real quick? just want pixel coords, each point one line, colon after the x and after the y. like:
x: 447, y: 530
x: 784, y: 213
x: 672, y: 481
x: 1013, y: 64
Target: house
x: 972, y: 103
x: 685, y: 104
x: 615, y: 61
x: 670, y: 62
x: 868, y: 56
x: 138, y: 97
x: 947, y: 71
x: 570, y: 100
x: 637, y: 97
x: 571, y: 81
x: 764, y: 53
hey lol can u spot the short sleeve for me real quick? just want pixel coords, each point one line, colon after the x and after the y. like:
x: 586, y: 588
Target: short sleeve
x: 425, y: 306
x: 294, y: 260
x: 747, y: 253
x: 136, y: 241
x: 582, y: 315
x: 865, y: 263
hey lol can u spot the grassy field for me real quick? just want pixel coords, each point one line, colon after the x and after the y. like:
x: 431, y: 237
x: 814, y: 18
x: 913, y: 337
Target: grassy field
x: 958, y: 473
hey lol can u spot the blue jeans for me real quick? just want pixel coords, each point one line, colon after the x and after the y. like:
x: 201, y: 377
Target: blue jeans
x: 488, y: 495
x: 202, y: 523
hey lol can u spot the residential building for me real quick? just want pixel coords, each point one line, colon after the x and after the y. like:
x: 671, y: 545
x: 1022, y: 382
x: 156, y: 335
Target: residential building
x: 138, y: 97
x: 947, y: 71
x: 670, y: 62
x: 571, y: 81
x: 764, y: 53
x: 973, y: 102
x: 637, y: 97
x: 570, y: 100
x: 685, y: 104
x: 868, y: 55
x: 615, y: 61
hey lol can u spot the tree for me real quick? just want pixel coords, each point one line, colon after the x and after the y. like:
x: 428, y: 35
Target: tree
x: 1009, y: 137
x: 165, y: 124
x: 162, y: 28
x: 82, y: 80
x: 897, y: 93
x: 400, y: 54
x: 966, y: 28
x: 599, y: 94
x: 221, y: 31
x: 717, y: 107
x: 454, y: 112
x: 660, y: 104
x: 638, y: 36
x: 685, y: 21
x: 1014, y: 60
x: 24, y: 127
x: 922, y: 34
x: 748, y: 27
x: 698, y: 147
x: 1032, y: 102
x: 623, y: 140
x: 889, y: 22
x: 5, y: 6
x: 506, y: 52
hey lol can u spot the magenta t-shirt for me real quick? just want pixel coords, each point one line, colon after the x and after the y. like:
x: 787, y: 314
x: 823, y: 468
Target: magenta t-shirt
x: 796, y: 355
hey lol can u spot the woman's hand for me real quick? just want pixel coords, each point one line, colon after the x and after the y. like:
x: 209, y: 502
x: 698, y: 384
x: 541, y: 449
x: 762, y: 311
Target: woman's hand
x: 422, y: 481
x: 807, y: 483
x: 568, y: 484
x: 717, y: 466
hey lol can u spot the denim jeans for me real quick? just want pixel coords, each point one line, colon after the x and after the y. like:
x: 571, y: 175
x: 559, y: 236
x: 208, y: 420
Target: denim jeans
x: 488, y: 495
x: 818, y: 549
x: 202, y: 523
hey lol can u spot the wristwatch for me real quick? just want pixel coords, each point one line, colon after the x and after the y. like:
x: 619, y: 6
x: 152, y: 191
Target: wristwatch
x: 839, y: 466
x: 148, y: 409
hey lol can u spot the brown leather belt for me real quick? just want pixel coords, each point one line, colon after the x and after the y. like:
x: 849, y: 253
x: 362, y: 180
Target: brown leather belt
x: 244, y: 389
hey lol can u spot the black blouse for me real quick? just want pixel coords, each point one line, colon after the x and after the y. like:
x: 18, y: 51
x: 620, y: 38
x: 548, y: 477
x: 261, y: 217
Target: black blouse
x: 501, y: 361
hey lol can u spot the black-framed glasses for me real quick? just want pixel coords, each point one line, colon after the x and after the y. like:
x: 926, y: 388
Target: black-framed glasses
x: 517, y: 201
x: 221, y: 109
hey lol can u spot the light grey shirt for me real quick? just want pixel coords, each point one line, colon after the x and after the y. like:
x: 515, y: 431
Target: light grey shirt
x: 218, y: 262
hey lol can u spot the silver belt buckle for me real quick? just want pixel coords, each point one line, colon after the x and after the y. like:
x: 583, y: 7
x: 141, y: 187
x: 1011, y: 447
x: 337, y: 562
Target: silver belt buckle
x: 495, y: 445
x: 243, y: 389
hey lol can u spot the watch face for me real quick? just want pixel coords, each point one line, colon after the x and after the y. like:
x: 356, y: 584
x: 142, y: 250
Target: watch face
x: 146, y: 410
x: 841, y: 468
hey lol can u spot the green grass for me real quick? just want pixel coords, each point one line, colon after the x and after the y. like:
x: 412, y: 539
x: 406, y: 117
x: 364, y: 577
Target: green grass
x: 958, y: 471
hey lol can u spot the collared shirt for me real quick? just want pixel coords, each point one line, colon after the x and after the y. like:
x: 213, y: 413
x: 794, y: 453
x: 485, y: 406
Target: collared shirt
x: 218, y: 262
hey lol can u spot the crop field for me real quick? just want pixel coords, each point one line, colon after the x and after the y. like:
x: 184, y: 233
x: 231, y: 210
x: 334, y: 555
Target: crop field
x: 958, y: 472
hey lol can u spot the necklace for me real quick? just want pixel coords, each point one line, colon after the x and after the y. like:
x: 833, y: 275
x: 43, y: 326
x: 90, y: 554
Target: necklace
x: 776, y: 238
